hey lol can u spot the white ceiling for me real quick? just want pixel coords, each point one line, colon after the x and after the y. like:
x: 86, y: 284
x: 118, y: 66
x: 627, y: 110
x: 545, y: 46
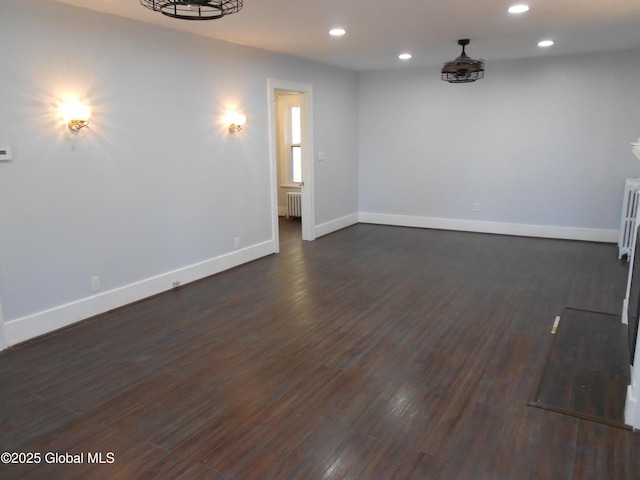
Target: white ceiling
x: 378, y: 31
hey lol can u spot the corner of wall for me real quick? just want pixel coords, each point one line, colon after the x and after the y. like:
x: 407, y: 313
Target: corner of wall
x: 337, y: 224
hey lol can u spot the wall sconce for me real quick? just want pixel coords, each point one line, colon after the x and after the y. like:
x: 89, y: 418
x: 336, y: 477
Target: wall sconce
x: 235, y: 121
x: 75, y: 114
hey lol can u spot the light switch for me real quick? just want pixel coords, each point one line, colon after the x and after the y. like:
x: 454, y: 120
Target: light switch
x: 321, y: 156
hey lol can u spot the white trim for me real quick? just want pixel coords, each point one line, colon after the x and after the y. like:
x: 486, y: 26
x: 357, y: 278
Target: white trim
x: 308, y: 208
x: 31, y: 326
x: 632, y: 402
x: 273, y: 163
x: 337, y: 224
x: 544, y: 231
x: 631, y: 408
x: 308, y: 175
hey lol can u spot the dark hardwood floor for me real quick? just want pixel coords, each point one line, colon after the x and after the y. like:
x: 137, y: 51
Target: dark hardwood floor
x: 372, y: 353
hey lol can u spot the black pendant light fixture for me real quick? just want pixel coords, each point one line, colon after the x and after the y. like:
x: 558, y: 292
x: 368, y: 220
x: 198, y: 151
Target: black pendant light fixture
x: 194, y: 9
x: 463, y: 69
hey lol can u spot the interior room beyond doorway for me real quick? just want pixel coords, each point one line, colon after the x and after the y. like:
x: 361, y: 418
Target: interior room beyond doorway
x: 289, y: 154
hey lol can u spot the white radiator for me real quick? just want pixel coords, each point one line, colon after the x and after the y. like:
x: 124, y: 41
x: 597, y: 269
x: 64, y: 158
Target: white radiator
x: 294, y: 204
x: 628, y: 217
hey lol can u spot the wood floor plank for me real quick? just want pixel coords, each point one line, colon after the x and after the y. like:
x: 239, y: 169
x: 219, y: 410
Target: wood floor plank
x: 257, y: 459
x: 474, y: 458
x: 556, y: 456
x: 593, y: 462
x: 331, y: 452
x: 627, y: 459
x: 393, y: 457
x: 502, y: 384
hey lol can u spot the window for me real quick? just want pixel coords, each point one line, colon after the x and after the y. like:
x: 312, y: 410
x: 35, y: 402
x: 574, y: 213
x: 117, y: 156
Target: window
x: 289, y: 143
x: 296, y: 148
x: 296, y: 163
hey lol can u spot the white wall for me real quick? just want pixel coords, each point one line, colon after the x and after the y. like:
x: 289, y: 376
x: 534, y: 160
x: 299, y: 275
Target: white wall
x: 156, y: 190
x: 542, y: 145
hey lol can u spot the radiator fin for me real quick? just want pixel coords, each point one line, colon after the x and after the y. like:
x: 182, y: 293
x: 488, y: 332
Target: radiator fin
x: 628, y: 217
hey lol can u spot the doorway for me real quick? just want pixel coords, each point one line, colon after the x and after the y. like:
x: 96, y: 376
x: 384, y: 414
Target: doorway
x: 289, y: 155
x: 296, y: 94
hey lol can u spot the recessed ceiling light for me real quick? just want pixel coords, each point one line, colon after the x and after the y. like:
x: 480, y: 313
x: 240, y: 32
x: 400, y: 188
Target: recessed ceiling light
x: 404, y: 56
x: 337, y: 32
x: 519, y: 8
x: 545, y: 43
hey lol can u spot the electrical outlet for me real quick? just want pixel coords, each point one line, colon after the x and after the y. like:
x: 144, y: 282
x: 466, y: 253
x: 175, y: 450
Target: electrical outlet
x: 476, y: 207
x: 236, y: 243
x: 95, y: 284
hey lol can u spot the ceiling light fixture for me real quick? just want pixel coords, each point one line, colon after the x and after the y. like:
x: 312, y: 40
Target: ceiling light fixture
x: 519, y: 8
x: 337, y: 32
x: 194, y: 9
x: 545, y: 43
x: 463, y: 69
x: 404, y: 56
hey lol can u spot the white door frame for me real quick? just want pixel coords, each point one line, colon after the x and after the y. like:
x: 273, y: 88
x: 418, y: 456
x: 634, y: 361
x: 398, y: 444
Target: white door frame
x: 308, y: 210
x: 632, y: 402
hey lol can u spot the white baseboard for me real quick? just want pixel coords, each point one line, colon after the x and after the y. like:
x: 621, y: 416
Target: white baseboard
x: 337, y: 224
x: 544, y: 231
x: 32, y: 326
x: 631, y: 410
